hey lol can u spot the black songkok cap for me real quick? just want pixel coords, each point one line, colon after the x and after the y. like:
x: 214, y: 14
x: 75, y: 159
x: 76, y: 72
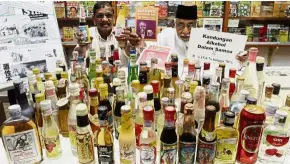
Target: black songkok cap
x: 186, y: 12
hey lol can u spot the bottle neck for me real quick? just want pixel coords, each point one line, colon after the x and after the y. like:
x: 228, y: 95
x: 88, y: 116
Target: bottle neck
x: 169, y: 123
x: 103, y: 123
x: 94, y: 101
x: 209, y: 123
x: 219, y: 78
x: 197, y: 75
x: 150, y: 100
x: 120, y: 96
x: 156, y: 94
x: 82, y: 121
x: 148, y: 124
x: 103, y: 95
x: 47, y: 120
x: 75, y: 99
x: 188, y: 124
x: 126, y: 122
x: 239, y: 86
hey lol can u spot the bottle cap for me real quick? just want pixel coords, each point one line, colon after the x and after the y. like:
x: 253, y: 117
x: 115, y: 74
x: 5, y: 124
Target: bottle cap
x: 276, y: 89
x: 59, y: 70
x: 197, y: 66
x: 49, y: 84
x: 47, y: 75
x: 148, y: 89
x: 64, y: 75
x: 103, y: 87
x: 148, y: 113
x: 186, y: 97
x: 14, y: 111
x: 206, y: 66
x: 154, y: 60
x: 191, y: 67
x: 193, y: 84
x: 39, y: 97
x: 36, y: 71
x: 188, y: 78
x: 281, y: 116
x: 74, y: 89
x: 81, y: 109
x: 93, y: 92
x: 164, y: 100
x: 117, y: 82
x: 210, y: 108
x: 206, y: 80
x: 260, y: 63
x: 45, y: 106
x: 102, y: 112
x: 232, y: 73
x: 81, y: 59
x: 155, y: 85
x: 253, y: 54
x: 135, y: 84
x: 188, y: 108
x: 125, y: 109
x: 222, y: 64
x: 143, y: 64
x: 179, y: 82
x: 170, y: 93
x: 229, y: 118
x: 62, y: 102
x: 251, y: 100
x: 185, y: 61
x: 170, y: 113
x: 142, y: 96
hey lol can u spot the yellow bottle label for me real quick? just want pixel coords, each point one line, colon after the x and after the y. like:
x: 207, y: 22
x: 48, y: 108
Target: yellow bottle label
x: 52, y: 146
x: 85, y: 148
x: 72, y: 136
x: 127, y: 153
x: 226, y: 149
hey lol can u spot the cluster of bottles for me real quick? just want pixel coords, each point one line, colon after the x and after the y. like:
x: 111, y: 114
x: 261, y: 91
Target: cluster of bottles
x: 195, y: 117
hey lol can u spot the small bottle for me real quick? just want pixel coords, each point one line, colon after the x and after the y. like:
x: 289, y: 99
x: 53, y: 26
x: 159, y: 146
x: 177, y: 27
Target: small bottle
x: 238, y: 88
x: 174, y: 63
x: 206, y: 85
x: 171, y: 96
x: 197, y: 74
x: 168, y: 146
x: 117, y: 66
x: 276, y: 99
x: 48, y: 75
x: 62, y: 86
x: 83, y: 27
x: 156, y: 98
x: 85, y: 139
x: 135, y: 88
x: 185, y: 69
x: 214, y: 100
x: 142, y: 102
x: 92, y: 67
x: 286, y: 108
x: 51, y: 95
x: 206, y: 71
x: 186, y: 98
x: 20, y: 138
x: 116, y: 83
x: 104, y: 101
x: 192, y: 86
x: 143, y: 75
x: 127, y: 137
x: 166, y: 85
x: 133, y: 73
x: 63, y: 111
x: 232, y: 87
x: 191, y: 69
x: 275, y: 140
x: 160, y: 120
x: 223, y: 67
x: 40, y: 85
x: 261, y: 79
x: 224, y: 98
x: 227, y: 140
x: 58, y: 72
x: 168, y: 70
x: 33, y: 90
x: 50, y: 131
x: 178, y: 91
x: 148, y: 89
x: 38, y: 116
x: 93, y: 110
x: 148, y: 137
x: 154, y: 73
x: 81, y: 79
x: 120, y: 101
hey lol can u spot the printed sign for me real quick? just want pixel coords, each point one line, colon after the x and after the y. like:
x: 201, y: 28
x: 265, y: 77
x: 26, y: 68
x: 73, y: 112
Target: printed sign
x: 213, y: 24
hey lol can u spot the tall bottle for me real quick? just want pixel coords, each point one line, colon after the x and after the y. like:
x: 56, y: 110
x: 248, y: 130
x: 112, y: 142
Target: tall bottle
x: 104, y: 138
x: 62, y: 86
x: 223, y: 67
x: 133, y: 73
x: 197, y: 75
x: 85, y: 139
x: 142, y: 102
x: 83, y: 27
x: 160, y: 120
x: 120, y: 101
x: 185, y: 69
x: 238, y: 88
x: 148, y: 137
x: 40, y: 85
x: 224, y: 100
x: 174, y: 63
x: 167, y: 78
x: 120, y: 24
x: 154, y: 73
x: 275, y: 97
x: 251, y: 82
x: 187, y: 139
x: 168, y: 146
x: 92, y: 67
x: 81, y: 79
x: 63, y: 111
x: 207, y: 137
x: 20, y: 138
x: 206, y: 71
x: 127, y: 137
x: 143, y: 75
x: 72, y: 119
x: 286, y: 108
x: 33, y: 89
x: 51, y: 95
x: 260, y: 73
x: 50, y: 131
x: 156, y: 98
x: 178, y: 91
x: 218, y: 76
x: 269, y: 106
x: 232, y: 85
x: 186, y: 98
x: 93, y: 110
x: 135, y: 88
x: 104, y: 101
x: 38, y: 116
x: 214, y: 100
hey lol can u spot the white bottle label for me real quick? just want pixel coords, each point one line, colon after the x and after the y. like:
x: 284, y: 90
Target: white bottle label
x: 127, y: 153
x: 22, y: 147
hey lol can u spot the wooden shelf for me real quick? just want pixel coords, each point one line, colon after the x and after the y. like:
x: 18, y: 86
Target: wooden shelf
x: 69, y: 44
x: 72, y: 19
x: 260, y: 18
x: 268, y: 44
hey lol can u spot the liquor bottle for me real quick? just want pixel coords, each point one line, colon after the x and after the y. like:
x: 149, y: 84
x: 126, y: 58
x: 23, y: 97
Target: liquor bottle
x: 187, y: 81
x: 99, y: 80
x: 103, y: 56
x: 252, y: 118
x: 227, y: 140
x: 40, y: 85
x: 156, y: 98
x: 122, y: 76
x: 251, y: 82
x: 186, y: 97
x: 92, y: 67
x: 142, y: 102
x: 85, y: 139
x: 275, y: 140
x: 132, y: 61
x: 93, y: 110
x: 133, y: 73
x: 84, y: 28
x: 187, y: 139
x: 199, y: 106
x: 33, y: 90
x: 154, y: 73
x: 232, y: 87
x: 58, y: 72
x: 143, y: 75
x: 207, y: 137
x: 135, y: 88
x: 107, y: 75
x: 197, y: 74
x: 185, y: 69
x: 50, y: 131
x: 104, y: 138
x: 116, y: 83
x: 191, y: 69
x: 166, y: 85
x: 50, y: 94
x: 238, y: 88
x: 20, y: 138
x: 110, y: 58
x: 269, y: 106
x: 224, y: 100
x: 117, y: 66
x: 48, y: 75
x: 148, y: 137
x: 120, y: 101
x: 275, y: 97
x: 286, y: 108
x: 127, y: 137
x: 160, y: 120
x: 168, y: 146
x: 72, y: 119
x: 148, y: 89
x: 38, y: 116
x: 260, y: 73
x: 104, y: 101
x: 63, y: 111
x: 168, y: 70
x: 223, y: 67
x: 171, y: 97
x: 214, y: 100
x: 116, y: 56
x: 22, y: 100
x: 238, y: 105
x: 174, y: 63
x: 206, y: 85
x: 99, y: 69
x: 206, y: 71
x: 62, y: 85
x: 120, y: 24
x: 192, y: 86
x: 80, y: 78
x: 178, y: 92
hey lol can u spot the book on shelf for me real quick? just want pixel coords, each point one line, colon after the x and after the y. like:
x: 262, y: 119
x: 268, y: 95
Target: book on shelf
x: 267, y: 8
x: 284, y: 34
x: 249, y: 33
x: 233, y: 8
x: 213, y: 24
x: 199, y: 5
x: 237, y: 30
x: 172, y: 7
x: 162, y: 9
x: 279, y: 8
x: 89, y: 6
x: 68, y: 34
x: 216, y: 9
x: 273, y: 32
x: 263, y: 34
x: 59, y: 7
x: 255, y: 8
x: 206, y: 8
x: 256, y: 30
x: 132, y: 8
x: 72, y: 9
x: 124, y: 5
x: 244, y: 8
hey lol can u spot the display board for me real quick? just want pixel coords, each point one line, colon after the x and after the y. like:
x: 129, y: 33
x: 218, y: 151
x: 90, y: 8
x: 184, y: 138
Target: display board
x: 28, y: 38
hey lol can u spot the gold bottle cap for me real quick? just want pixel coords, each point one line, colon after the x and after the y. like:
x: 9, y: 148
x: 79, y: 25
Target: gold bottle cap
x: 47, y: 75
x: 62, y: 102
x: 148, y: 89
x: 64, y: 75
x: 193, y: 84
x: 98, y: 81
x: 59, y: 70
x: 103, y: 87
x: 36, y: 71
x: 222, y: 64
x: 39, y: 97
x: 81, y: 109
x: 135, y: 83
x: 117, y: 82
x: 185, y: 61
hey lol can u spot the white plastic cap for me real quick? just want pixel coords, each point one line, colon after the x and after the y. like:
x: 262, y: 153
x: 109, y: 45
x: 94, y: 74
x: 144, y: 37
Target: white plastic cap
x: 148, y: 89
x: 14, y: 111
x: 81, y: 109
x: 45, y: 106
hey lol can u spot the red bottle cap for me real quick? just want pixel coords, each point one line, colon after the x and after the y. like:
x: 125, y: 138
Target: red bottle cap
x: 93, y: 92
x: 232, y: 73
x: 206, y: 66
x: 170, y: 113
x: 148, y: 113
x: 155, y: 85
x: 191, y: 67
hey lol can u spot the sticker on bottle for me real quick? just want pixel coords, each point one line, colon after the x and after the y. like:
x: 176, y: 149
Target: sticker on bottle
x: 226, y: 148
x: 105, y: 154
x: 127, y: 153
x: 186, y: 152
x: 168, y: 153
x: 85, y: 148
x: 52, y: 146
x: 22, y: 147
x: 72, y: 136
x: 148, y: 152
x: 206, y: 152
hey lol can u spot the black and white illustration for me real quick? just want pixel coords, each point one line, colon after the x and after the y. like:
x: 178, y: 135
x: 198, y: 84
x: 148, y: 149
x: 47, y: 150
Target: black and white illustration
x: 17, y: 57
x: 19, y: 142
x: 22, y: 69
x: 35, y: 30
x: 213, y: 24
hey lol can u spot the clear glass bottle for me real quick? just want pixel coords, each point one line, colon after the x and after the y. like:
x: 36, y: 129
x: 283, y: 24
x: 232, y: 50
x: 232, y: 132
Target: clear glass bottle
x: 275, y: 140
x: 85, y: 139
x: 232, y: 87
x: 224, y: 98
x: 227, y: 140
x: 148, y: 137
x: 223, y: 67
x: 93, y: 110
x: 50, y: 132
x: 166, y: 85
x: 261, y: 79
x: 186, y: 97
x: 127, y: 137
x: 286, y: 108
x: 135, y: 88
x: 197, y: 75
x: 160, y: 120
x: 192, y: 86
x: 142, y: 102
x: 120, y: 101
x: 92, y: 67
x: 20, y: 138
x: 154, y: 73
x: 174, y: 63
x: 171, y: 96
x: 206, y: 71
x: 276, y: 99
x: 214, y: 100
x: 81, y: 79
x: 38, y: 116
x: 63, y: 111
x: 185, y: 68
x: 51, y: 95
x: 191, y: 69
x: 178, y: 92
x: 33, y: 90
x: 269, y: 106
x: 133, y: 73
x: 156, y: 98
x: 218, y: 76
x: 238, y: 88
x: 40, y: 85
x: 206, y: 85
x: 143, y: 75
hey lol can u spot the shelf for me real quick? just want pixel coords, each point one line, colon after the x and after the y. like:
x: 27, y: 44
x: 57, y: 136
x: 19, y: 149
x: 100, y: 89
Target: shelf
x: 69, y: 44
x: 268, y: 44
x: 72, y: 19
x: 260, y: 18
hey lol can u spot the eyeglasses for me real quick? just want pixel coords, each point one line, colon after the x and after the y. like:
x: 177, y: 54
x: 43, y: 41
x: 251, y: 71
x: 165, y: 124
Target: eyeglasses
x: 181, y: 26
x: 101, y: 16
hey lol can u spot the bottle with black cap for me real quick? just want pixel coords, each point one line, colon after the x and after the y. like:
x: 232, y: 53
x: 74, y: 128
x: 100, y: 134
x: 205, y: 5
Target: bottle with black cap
x: 251, y: 101
x: 276, y: 99
x: 227, y: 139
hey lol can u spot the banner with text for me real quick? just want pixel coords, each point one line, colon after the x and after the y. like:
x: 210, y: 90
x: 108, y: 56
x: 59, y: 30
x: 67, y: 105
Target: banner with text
x: 215, y: 47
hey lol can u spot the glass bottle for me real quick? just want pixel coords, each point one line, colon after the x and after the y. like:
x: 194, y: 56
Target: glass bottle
x: 62, y: 88
x: 187, y: 138
x: 168, y: 146
x: 168, y: 70
x: 224, y: 100
x: 174, y: 63
x: 85, y: 139
x: 117, y: 66
x: 186, y: 98
x: 178, y: 92
x: 227, y: 140
x: 171, y: 96
x: 214, y: 100
x: 207, y: 137
x: 40, y: 85
x: 143, y: 75
x: 199, y: 106
x: 154, y: 73
x: 107, y: 75
x: 116, y: 83
x: 99, y: 80
x: 104, y: 138
x: 223, y: 67
x: 269, y: 106
x: 50, y: 132
x: 148, y: 89
x: 218, y: 77
x: 260, y: 73
x: 275, y: 140
x: 251, y: 82
x: 99, y: 69
x: 92, y: 67
x: 104, y: 101
x: 191, y: 69
x: 185, y: 69
x: 58, y: 72
x: 206, y: 71
x: 120, y: 101
x: 160, y: 120
x: 51, y: 95
x: 275, y: 97
x: 197, y: 75
x: 135, y: 88
x: 63, y: 111
x: 80, y: 78
x: 127, y: 137
x: 142, y: 102
x: 166, y: 85
x: 187, y: 81
x: 192, y: 86
x: 232, y: 87
x: 93, y: 110
x: 206, y: 85
x: 48, y: 75
x: 33, y: 90
x: 156, y: 98
x: 286, y: 108
x: 238, y: 88
x: 148, y: 137
x: 133, y: 73
x: 38, y: 116
x: 72, y: 119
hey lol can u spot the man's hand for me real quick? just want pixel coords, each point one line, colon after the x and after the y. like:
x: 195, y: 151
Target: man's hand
x: 83, y: 47
x: 127, y: 35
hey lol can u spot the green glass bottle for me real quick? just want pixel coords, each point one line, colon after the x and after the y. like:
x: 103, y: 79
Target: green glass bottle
x: 92, y: 67
x: 133, y: 73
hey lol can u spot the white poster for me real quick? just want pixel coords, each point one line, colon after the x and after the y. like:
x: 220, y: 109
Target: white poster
x: 28, y: 39
x: 215, y: 47
x: 213, y: 24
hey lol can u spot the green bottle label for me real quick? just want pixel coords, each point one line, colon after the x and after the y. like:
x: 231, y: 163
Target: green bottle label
x: 226, y: 148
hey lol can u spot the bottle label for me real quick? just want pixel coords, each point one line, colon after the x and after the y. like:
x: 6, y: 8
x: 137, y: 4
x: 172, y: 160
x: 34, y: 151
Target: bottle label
x: 72, y: 136
x: 22, y: 148
x: 271, y: 109
x: 85, y: 148
x: 226, y: 148
x: 209, y: 136
x: 206, y: 152
x: 117, y: 125
x: 52, y: 146
x: 148, y: 153
x: 168, y: 153
x: 138, y: 130
x: 250, y: 138
x: 127, y: 153
x: 186, y: 152
x: 277, y: 141
x: 105, y: 154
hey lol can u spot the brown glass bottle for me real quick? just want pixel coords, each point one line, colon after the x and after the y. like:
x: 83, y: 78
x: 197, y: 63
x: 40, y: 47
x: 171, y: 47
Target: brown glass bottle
x: 143, y: 75
x: 63, y: 109
x: 93, y: 111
